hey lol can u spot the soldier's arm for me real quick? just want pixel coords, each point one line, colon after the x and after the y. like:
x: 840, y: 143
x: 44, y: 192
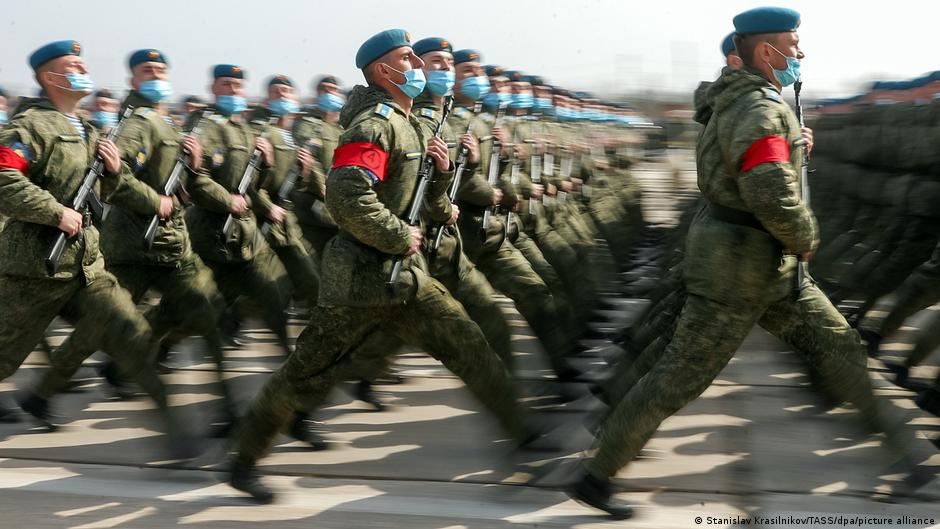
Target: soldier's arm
x: 767, y: 179
x: 439, y: 208
x: 360, y: 162
x: 206, y: 192
x: 20, y: 198
x: 269, y: 178
x: 125, y: 190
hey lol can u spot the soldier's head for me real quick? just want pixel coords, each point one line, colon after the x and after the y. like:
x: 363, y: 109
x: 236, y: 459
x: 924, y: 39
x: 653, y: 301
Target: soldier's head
x: 438, y: 57
x: 732, y: 59
x: 471, y: 80
x: 282, y: 97
x: 767, y: 42
x: 149, y: 74
x: 328, y: 84
x: 105, y: 101
x: 388, y: 62
x: 60, y: 70
x: 3, y: 105
x: 228, y: 88
x: 521, y: 90
x: 192, y: 104
x: 330, y: 98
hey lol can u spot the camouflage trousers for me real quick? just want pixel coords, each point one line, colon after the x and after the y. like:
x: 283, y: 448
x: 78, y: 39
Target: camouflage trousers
x: 102, y: 312
x: 707, y: 335
x: 287, y: 241
x: 189, y: 305
x: 540, y: 265
x: 920, y: 290
x: 432, y: 319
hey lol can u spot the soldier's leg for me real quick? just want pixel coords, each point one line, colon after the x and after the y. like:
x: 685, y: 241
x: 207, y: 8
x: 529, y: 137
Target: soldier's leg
x: 928, y: 339
x: 28, y: 305
x: 531, y: 252
x: 436, y: 321
x: 575, y: 272
x: 707, y: 335
x: 919, y: 291
x: 816, y: 330
x: 301, y: 269
x: 478, y: 297
x: 269, y: 286
x: 510, y: 273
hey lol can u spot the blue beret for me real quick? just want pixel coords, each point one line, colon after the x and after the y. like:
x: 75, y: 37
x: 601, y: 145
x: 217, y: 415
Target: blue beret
x: 380, y: 44
x: 515, y: 76
x: 534, y: 80
x: 766, y: 20
x: 280, y: 79
x: 492, y: 70
x: 146, y: 55
x: 331, y: 79
x: 54, y: 50
x: 432, y: 44
x: 462, y: 56
x: 227, y: 70
x: 105, y: 93
x: 3, y: 93
x: 727, y: 45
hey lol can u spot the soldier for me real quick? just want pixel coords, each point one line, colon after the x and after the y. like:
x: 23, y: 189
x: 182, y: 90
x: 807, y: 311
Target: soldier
x: 282, y: 230
x: 189, y: 304
x: 242, y: 262
x: 104, y: 110
x: 740, y: 263
x: 45, y: 153
x: 369, y: 189
x: 320, y: 128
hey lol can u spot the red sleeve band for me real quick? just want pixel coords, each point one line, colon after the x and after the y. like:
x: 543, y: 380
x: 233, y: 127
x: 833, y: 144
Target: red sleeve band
x: 768, y: 149
x: 361, y: 154
x: 10, y: 159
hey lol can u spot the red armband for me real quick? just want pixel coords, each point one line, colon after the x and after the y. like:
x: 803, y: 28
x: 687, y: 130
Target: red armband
x: 11, y: 159
x: 768, y: 149
x: 365, y: 155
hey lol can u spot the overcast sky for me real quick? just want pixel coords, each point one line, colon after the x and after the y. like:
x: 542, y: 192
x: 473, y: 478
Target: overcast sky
x: 604, y: 45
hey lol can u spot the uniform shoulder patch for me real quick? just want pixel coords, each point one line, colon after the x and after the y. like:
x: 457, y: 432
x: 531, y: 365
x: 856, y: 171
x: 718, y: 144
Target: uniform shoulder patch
x: 21, y: 150
x: 427, y: 112
x: 217, y: 118
x: 772, y: 95
x: 461, y: 112
x: 383, y: 110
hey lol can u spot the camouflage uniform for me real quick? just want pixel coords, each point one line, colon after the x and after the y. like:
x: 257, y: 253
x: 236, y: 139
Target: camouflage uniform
x: 285, y: 238
x: 739, y: 272
x: 244, y: 264
x: 189, y: 301
x: 354, y: 301
x: 315, y: 221
x: 44, y: 161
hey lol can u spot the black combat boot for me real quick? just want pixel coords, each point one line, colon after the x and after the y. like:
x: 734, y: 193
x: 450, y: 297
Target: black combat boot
x: 38, y: 407
x: 244, y: 477
x: 365, y: 393
x: 872, y: 341
x: 305, y: 430
x: 598, y: 493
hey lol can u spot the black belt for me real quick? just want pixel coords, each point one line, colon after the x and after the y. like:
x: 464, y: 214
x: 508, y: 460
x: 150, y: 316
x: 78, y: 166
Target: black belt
x: 735, y: 216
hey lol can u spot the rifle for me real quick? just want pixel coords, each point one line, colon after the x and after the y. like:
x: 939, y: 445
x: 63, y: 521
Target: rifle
x: 801, y: 266
x: 284, y: 192
x: 424, y: 179
x: 174, y: 182
x: 85, y: 196
x: 535, y: 168
x: 436, y: 232
x: 254, y: 164
x: 493, y: 176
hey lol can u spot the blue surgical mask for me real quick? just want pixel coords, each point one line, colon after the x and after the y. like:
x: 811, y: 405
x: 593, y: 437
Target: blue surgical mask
x: 104, y: 119
x: 475, y: 87
x: 414, y: 82
x: 156, y: 90
x: 229, y: 105
x: 441, y: 82
x: 78, y: 82
x: 542, y: 103
x: 792, y: 72
x: 3, y: 117
x: 328, y: 102
x: 494, y: 99
x: 280, y: 107
x: 524, y: 100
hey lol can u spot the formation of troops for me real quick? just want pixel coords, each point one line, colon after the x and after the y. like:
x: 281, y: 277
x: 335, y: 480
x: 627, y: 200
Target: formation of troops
x: 392, y: 214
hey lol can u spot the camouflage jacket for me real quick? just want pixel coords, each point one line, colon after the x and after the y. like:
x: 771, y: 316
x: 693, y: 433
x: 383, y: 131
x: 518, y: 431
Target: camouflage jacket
x: 43, y: 162
x: 227, y: 148
x: 150, y: 146
x: 368, y: 192
x: 322, y: 137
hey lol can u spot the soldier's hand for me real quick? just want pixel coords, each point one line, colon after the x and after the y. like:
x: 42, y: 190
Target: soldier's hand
x: 304, y: 158
x: 110, y: 156
x: 276, y: 215
x: 497, y: 196
x: 551, y: 190
x: 566, y: 186
x: 239, y: 205
x: 537, y: 190
x: 166, y: 207
x: 807, y: 134
x: 192, y: 146
x: 473, y: 148
x: 416, y: 238
x: 454, y: 215
x: 500, y: 134
x: 521, y: 150
x: 437, y: 149
x: 806, y: 257
x: 71, y: 222
x: 263, y: 145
